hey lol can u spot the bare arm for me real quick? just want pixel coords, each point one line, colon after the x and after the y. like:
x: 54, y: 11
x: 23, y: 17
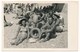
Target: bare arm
x: 53, y: 26
x: 5, y: 19
x: 44, y: 25
x: 56, y: 24
x: 41, y: 18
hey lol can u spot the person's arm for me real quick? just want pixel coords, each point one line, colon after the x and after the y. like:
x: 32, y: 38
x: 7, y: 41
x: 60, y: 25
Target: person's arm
x: 41, y: 18
x: 54, y: 24
x: 44, y: 25
x: 5, y: 19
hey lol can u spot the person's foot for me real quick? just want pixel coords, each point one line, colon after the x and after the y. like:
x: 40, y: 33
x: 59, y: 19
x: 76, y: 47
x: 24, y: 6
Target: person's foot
x: 54, y: 36
x: 32, y: 40
x: 43, y: 40
x: 17, y: 43
x: 12, y: 43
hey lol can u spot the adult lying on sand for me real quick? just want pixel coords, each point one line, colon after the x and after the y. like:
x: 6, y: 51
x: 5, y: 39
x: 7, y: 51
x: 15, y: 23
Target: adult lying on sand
x: 22, y: 32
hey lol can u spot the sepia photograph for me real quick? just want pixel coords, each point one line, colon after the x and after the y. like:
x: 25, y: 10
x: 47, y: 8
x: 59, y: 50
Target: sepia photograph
x: 35, y: 25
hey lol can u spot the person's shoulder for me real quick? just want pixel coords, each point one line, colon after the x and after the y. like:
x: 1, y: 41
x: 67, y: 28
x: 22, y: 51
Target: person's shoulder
x: 19, y: 26
x: 57, y: 16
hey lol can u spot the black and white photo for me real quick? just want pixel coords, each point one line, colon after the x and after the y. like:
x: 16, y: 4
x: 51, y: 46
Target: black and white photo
x: 35, y: 25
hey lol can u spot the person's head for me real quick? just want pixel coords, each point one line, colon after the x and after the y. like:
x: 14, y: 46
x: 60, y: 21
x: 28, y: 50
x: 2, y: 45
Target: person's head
x: 22, y: 22
x: 50, y: 20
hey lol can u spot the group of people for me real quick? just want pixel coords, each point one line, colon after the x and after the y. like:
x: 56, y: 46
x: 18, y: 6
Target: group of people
x: 41, y: 25
x: 22, y: 8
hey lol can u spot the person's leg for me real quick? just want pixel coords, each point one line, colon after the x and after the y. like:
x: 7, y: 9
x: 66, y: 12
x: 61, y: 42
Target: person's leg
x: 19, y: 41
x: 53, y: 33
x: 14, y: 41
x: 46, y: 38
x: 21, y: 38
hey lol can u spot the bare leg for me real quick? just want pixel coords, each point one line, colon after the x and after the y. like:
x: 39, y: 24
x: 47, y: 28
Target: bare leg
x: 15, y: 41
x: 47, y: 36
x: 19, y: 41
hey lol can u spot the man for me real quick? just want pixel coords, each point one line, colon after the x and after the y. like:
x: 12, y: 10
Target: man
x: 60, y: 27
x: 49, y: 29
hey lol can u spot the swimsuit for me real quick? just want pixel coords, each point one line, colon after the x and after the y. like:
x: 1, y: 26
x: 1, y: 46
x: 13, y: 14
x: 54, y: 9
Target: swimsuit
x: 23, y: 32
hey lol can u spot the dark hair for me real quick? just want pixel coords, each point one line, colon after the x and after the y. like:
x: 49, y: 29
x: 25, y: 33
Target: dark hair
x: 20, y: 22
x: 57, y: 15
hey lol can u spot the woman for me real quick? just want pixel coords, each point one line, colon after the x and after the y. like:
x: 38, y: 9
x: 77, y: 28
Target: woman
x: 22, y: 32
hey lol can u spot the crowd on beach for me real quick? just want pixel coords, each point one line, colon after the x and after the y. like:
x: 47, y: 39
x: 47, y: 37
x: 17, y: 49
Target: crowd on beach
x: 37, y: 22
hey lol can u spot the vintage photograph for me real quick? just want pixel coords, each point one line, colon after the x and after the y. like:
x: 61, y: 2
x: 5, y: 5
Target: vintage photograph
x: 35, y: 25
